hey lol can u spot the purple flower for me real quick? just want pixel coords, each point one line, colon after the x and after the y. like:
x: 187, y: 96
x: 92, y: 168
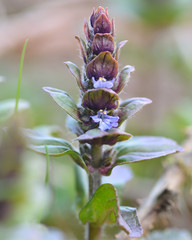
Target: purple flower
x: 105, y: 121
x: 102, y: 83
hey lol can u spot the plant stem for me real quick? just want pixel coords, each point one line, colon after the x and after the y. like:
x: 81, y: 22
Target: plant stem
x: 94, y: 182
x: 20, y: 76
x: 47, y: 166
x: 96, y: 156
x: 94, y: 232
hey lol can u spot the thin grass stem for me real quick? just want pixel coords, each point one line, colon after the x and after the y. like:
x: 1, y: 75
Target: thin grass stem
x: 20, y: 76
x: 47, y: 166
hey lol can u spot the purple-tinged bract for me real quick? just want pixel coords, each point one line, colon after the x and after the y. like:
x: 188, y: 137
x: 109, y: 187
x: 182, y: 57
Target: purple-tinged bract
x: 100, y: 98
x: 104, y: 65
x: 103, y: 42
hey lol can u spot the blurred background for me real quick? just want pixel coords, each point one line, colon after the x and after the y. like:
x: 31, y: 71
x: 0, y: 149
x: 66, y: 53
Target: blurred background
x: 159, y: 34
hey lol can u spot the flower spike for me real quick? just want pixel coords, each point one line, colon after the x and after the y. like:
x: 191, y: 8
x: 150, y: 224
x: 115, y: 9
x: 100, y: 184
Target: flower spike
x: 95, y: 121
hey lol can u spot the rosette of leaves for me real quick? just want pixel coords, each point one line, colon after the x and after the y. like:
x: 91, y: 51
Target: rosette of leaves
x: 95, y: 121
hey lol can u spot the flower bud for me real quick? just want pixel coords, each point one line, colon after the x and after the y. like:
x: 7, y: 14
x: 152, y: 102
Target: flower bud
x: 100, y: 21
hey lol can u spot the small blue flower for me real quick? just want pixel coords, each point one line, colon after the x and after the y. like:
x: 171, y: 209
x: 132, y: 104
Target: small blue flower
x: 105, y: 121
x: 102, y: 83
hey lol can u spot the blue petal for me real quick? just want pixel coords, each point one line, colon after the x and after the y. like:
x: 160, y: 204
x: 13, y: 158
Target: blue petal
x: 102, y: 84
x: 96, y: 118
x: 105, y: 121
x: 104, y: 126
x: 112, y: 118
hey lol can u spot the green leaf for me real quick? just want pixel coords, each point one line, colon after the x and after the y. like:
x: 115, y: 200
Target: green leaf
x: 75, y: 72
x: 64, y: 100
x: 143, y: 148
x: 54, y: 146
x: 102, y: 207
x: 122, y: 78
x: 129, y: 221
x: 7, y: 108
x: 129, y: 107
x: 96, y: 136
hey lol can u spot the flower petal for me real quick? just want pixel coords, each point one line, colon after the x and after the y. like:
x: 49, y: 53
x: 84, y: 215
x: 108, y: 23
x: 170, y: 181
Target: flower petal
x: 104, y: 126
x: 106, y: 122
x: 96, y: 118
x: 102, y: 84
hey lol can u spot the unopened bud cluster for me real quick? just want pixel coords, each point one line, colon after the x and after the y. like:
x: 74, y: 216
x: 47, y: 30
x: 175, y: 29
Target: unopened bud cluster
x: 101, y: 82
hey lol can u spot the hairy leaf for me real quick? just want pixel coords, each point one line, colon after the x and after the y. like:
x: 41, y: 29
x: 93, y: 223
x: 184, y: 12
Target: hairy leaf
x: 131, y: 106
x: 144, y: 148
x: 55, y: 146
x: 64, y: 100
x: 119, y: 46
x: 75, y: 72
x: 122, y: 78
